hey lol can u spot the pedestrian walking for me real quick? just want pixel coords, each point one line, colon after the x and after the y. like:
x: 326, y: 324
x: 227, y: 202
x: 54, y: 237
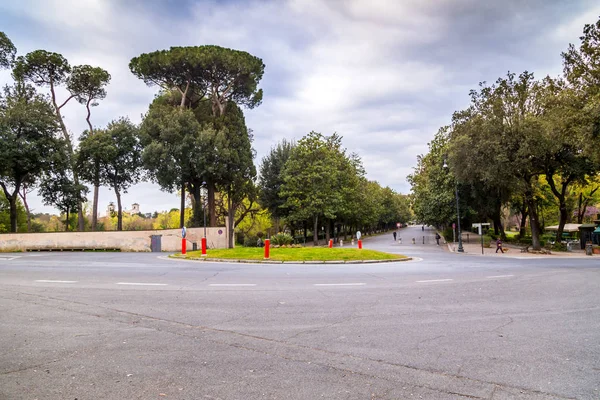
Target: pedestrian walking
x: 423, y: 228
x: 437, y: 238
x: 499, y: 246
x: 394, y: 236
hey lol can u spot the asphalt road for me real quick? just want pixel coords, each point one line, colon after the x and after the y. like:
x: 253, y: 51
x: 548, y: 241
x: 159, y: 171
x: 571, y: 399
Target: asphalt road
x: 445, y: 326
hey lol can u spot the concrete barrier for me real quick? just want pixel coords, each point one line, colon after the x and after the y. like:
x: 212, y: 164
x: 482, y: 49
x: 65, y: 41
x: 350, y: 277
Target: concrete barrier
x: 123, y: 240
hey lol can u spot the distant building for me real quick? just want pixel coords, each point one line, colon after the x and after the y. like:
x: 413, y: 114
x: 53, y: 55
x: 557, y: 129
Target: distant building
x: 135, y: 209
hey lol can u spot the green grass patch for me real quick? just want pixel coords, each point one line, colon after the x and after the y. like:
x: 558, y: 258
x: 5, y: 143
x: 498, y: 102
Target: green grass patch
x: 297, y: 254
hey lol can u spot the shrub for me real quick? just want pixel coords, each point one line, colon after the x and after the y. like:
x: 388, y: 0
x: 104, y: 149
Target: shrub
x: 250, y: 241
x: 487, y: 241
x: 448, y: 234
x: 282, y: 239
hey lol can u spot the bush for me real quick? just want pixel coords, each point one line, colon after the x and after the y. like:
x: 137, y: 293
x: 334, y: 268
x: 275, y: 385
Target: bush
x: 448, y: 234
x: 282, y: 239
x: 250, y: 241
x: 559, y: 246
x: 487, y: 241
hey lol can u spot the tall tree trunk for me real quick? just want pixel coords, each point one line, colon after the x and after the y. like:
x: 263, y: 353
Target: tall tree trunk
x: 305, y: 226
x: 96, y: 194
x: 212, y: 212
x: 316, y: 230
x: 63, y: 128
x: 524, y: 215
x: 327, y: 233
x: 562, y: 204
x: 12, y: 201
x: 182, y: 210
x: 533, y: 220
x: 230, y: 219
x: 196, y: 191
x: 67, y: 220
x: 24, y: 198
x: 119, y: 210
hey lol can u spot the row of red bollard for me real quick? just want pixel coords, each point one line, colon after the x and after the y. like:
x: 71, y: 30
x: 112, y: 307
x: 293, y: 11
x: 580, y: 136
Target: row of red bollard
x: 267, y: 246
x: 184, y: 246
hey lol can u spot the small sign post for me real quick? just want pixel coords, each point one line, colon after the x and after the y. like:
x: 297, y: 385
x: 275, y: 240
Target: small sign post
x: 358, y: 236
x: 183, y: 241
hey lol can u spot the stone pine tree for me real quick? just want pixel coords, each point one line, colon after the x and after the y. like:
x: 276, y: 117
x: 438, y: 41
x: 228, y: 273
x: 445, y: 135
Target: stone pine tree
x: 27, y: 133
x: 52, y: 70
x: 199, y: 74
x: 88, y: 84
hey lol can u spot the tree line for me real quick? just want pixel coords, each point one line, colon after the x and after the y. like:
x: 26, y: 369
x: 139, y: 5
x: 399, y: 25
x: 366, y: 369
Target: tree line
x: 192, y: 139
x: 522, y: 144
x: 315, y: 184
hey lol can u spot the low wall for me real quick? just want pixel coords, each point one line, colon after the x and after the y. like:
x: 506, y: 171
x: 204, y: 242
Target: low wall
x: 125, y: 240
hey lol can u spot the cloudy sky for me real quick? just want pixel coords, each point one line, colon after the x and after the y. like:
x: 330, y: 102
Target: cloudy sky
x: 383, y: 74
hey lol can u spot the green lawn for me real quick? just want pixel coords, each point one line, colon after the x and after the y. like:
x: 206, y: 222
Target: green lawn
x: 297, y: 254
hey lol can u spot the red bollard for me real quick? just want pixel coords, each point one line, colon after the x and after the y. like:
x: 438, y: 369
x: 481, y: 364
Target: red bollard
x: 203, y: 247
x: 183, y: 246
x: 330, y: 243
x: 360, y: 244
x: 267, y: 243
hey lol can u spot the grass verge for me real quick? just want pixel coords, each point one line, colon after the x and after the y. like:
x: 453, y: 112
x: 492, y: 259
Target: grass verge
x: 297, y: 254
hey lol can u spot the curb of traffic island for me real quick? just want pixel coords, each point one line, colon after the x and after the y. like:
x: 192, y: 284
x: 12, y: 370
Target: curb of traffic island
x: 224, y: 260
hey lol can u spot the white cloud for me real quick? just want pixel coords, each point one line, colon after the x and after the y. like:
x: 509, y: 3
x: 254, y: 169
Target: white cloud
x: 384, y: 74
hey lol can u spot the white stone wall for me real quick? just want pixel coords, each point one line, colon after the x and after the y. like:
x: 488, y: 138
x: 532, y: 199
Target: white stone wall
x: 124, y: 240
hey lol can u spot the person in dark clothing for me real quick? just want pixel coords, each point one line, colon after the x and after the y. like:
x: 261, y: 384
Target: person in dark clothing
x: 394, y: 236
x: 423, y: 228
x: 437, y: 238
x: 499, y: 246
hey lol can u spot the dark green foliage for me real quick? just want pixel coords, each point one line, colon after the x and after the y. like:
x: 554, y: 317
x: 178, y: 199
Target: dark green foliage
x: 7, y: 51
x: 271, y: 178
x: 281, y: 239
x: 27, y: 129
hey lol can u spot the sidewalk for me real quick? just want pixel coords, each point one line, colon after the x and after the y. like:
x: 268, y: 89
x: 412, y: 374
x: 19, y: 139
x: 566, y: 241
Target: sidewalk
x: 510, y: 250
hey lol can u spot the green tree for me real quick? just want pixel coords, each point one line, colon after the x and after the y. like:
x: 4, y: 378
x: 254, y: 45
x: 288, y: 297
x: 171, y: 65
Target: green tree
x: 117, y: 152
x: 88, y: 84
x: 7, y: 51
x: 58, y: 187
x: 271, y: 180
x: 27, y: 129
x: 52, y: 70
x: 311, y: 179
x: 201, y: 73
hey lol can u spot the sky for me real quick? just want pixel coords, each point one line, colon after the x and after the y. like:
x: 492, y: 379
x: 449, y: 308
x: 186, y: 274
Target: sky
x: 385, y: 75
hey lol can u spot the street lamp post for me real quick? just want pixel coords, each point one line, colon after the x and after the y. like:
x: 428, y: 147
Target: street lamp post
x: 460, y: 244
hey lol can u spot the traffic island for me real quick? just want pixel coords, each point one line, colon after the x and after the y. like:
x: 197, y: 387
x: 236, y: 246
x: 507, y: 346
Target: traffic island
x: 304, y: 255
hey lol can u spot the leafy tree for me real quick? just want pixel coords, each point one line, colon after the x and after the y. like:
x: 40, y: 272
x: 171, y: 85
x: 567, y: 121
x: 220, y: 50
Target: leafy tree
x: 84, y: 83
x: 200, y: 73
x: 5, y: 215
x: 117, y: 152
x: 7, y: 51
x: 88, y: 84
x: 27, y: 129
x: 311, y: 178
x: 271, y: 179
x: 59, y: 189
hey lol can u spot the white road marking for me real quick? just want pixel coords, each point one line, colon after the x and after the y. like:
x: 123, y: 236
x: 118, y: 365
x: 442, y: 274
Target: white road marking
x: 340, y: 284
x: 232, y: 284
x: 435, y: 280
x: 8, y: 258
x: 141, y: 284
x: 51, y: 281
x: 499, y: 276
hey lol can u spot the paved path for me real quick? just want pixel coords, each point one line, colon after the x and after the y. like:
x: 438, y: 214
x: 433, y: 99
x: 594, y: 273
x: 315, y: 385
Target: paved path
x: 445, y: 326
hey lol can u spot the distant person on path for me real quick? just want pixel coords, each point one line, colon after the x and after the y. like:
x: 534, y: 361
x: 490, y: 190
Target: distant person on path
x: 423, y: 228
x: 499, y: 246
x: 437, y: 238
x: 394, y: 236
